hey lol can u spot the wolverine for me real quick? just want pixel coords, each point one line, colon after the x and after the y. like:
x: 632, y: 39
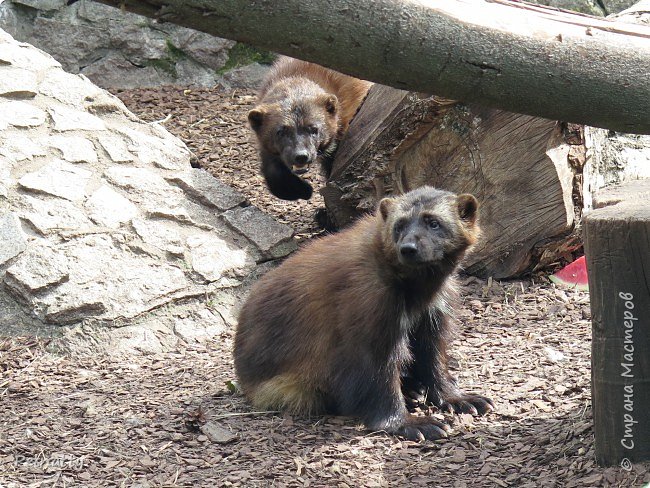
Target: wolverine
x: 302, y: 112
x: 344, y: 324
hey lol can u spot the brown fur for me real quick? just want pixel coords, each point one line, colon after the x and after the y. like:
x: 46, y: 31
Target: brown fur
x: 342, y: 323
x: 300, y: 97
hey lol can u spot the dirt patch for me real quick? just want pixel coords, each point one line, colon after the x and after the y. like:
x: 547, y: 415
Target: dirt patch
x: 170, y: 420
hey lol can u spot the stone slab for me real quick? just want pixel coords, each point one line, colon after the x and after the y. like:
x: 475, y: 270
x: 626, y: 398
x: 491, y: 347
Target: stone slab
x: 50, y: 215
x: 67, y: 88
x: 75, y: 149
x: 16, y: 145
x: 201, y: 185
x: 58, y: 178
x: 17, y: 82
x: 13, y: 240
x: 36, y: 270
x: 270, y: 236
x: 21, y: 114
x: 108, y: 282
x: 116, y: 148
x: 164, y: 235
x: 109, y: 208
x: 213, y: 258
x: 161, y: 150
x: 66, y: 119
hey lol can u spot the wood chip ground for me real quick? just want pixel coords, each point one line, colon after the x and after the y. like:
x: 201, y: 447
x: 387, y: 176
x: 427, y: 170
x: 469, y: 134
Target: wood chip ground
x: 171, y: 419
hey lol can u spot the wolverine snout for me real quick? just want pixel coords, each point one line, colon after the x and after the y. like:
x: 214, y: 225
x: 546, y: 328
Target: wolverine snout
x: 408, y: 250
x: 301, y: 159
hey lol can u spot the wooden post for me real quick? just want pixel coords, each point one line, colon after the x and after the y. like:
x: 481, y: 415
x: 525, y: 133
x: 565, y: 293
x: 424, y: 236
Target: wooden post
x: 617, y: 245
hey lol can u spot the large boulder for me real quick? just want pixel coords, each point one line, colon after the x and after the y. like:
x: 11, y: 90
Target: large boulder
x: 116, y: 49
x: 103, y: 220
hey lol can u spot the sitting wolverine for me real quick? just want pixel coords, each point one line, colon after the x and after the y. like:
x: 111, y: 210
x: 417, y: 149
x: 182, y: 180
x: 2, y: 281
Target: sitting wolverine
x: 342, y: 323
x: 303, y: 111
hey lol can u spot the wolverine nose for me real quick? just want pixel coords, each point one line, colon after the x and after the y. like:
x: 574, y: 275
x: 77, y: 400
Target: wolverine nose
x: 408, y: 249
x: 302, y: 159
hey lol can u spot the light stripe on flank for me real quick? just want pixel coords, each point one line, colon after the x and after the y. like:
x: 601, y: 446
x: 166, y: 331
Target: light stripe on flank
x: 286, y: 392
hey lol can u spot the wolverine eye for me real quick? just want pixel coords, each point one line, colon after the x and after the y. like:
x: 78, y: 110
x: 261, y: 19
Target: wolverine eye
x: 283, y: 131
x: 399, y: 226
x: 312, y: 129
x: 431, y: 223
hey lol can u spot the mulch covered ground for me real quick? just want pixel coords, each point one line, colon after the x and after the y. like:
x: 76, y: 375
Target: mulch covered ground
x: 170, y: 419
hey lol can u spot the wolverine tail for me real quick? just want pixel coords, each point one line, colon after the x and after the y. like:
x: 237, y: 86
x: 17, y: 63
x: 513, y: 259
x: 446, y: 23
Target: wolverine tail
x: 287, y: 393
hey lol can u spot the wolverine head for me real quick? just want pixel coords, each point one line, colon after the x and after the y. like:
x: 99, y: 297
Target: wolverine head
x: 297, y: 127
x: 429, y: 227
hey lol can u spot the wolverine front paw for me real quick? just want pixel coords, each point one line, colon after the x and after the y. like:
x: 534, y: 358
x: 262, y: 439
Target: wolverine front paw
x: 421, y: 428
x: 467, y: 403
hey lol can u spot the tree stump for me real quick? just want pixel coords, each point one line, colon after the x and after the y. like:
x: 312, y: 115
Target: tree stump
x: 617, y: 245
x: 525, y: 172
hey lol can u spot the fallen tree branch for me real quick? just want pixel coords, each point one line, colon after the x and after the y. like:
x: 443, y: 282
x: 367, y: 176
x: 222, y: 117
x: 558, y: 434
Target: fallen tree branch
x: 499, y: 53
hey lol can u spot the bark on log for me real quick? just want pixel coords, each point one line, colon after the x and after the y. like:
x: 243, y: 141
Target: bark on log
x: 617, y: 245
x: 522, y: 169
x: 500, y: 53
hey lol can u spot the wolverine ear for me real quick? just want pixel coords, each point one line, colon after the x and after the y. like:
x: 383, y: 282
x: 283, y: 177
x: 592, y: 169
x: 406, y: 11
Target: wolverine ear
x: 385, y: 206
x: 468, y: 208
x: 256, y: 118
x: 330, y: 102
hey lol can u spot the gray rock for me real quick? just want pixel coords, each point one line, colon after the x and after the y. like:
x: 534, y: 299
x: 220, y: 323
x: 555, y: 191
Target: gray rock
x: 21, y: 114
x: 13, y: 240
x: 249, y: 76
x: 207, y: 189
x: 115, y: 71
x: 75, y: 149
x: 207, y: 50
x: 17, y: 82
x: 590, y: 7
x: 613, y: 6
x: 58, y: 178
x: 116, y: 49
x: 217, y: 434
x: 36, y: 270
x: 45, y: 5
x: 271, y: 237
x: 199, y: 74
x: 72, y: 43
x: 108, y: 208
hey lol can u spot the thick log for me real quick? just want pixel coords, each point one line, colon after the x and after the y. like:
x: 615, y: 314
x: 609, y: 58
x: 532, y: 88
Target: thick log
x: 522, y: 169
x: 617, y: 245
x: 505, y: 54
